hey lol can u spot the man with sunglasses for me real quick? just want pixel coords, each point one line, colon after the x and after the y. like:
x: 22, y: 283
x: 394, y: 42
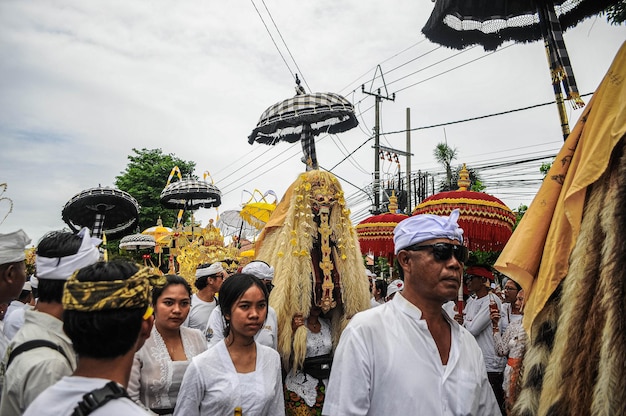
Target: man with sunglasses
x: 410, y: 348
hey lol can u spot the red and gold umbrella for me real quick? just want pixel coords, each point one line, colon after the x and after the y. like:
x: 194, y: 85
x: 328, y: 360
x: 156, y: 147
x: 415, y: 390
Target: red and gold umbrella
x: 376, y: 232
x: 486, y: 221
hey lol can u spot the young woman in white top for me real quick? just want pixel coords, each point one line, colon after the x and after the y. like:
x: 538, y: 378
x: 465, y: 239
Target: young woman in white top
x: 159, y: 366
x: 238, y: 372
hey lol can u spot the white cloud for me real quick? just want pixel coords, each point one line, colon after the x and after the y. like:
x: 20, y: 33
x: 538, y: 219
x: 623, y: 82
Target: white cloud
x: 84, y: 82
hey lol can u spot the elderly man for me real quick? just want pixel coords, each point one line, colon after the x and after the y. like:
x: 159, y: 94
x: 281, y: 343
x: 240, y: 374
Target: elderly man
x: 209, y: 279
x: 41, y: 353
x: 12, y: 266
x: 408, y: 357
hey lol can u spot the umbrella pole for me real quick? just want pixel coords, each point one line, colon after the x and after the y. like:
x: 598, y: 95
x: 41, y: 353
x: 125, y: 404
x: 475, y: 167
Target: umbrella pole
x: 558, y: 94
x: 308, y: 148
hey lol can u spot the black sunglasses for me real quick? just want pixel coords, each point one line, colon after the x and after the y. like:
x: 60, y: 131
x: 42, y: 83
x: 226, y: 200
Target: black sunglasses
x: 443, y: 251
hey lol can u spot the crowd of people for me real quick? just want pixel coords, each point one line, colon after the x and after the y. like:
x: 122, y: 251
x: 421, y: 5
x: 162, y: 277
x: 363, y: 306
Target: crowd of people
x: 94, y: 337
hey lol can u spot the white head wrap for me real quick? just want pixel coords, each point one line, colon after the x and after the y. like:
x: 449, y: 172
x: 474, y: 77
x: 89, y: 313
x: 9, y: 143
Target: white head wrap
x: 395, y: 286
x: 214, y: 268
x: 425, y: 227
x: 62, y: 268
x: 259, y: 269
x: 34, y: 282
x: 12, y: 247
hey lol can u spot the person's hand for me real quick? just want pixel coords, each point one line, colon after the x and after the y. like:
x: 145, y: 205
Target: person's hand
x: 459, y: 318
x: 297, y: 321
x: 495, y: 317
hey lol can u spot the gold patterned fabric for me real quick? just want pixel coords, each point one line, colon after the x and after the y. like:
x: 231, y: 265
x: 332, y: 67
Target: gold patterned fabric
x: 134, y: 292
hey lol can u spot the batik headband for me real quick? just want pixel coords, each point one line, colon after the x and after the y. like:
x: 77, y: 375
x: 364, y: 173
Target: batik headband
x: 134, y: 292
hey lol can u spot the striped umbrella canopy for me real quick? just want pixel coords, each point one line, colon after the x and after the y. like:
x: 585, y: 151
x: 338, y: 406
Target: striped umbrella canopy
x: 102, y: 209
x: 137, y: 242
x: 301, y: 118
x: 458, y: 24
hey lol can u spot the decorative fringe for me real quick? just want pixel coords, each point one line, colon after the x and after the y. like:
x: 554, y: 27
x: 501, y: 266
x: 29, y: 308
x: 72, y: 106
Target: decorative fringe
x: 287, y: 247
x: 487, y: 223
x: 585, y: 372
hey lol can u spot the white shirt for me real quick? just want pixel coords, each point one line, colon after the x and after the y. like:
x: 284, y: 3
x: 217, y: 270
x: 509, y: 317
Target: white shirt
x: 387, y: 363
x: 477, y: 321
x: 155, y: 378
x: 212, y: 386
x: 33, y: 371
x: 320, y: 343
x: 199, y: 313
x: 266, y: 336
x: 14, y: 318
x: 61, y: 398
x: 507, y: 317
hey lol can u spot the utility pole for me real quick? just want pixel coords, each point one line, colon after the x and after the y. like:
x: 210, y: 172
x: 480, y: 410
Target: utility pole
x: 408, y: 160
x: 379, y: 99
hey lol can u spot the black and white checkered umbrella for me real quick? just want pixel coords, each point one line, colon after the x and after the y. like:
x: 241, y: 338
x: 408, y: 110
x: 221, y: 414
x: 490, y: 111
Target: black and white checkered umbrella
x: 301, y: 118
x: 137, y: 242
x: 102, y: 209
x: 457, y: 24
x: 191, y: 194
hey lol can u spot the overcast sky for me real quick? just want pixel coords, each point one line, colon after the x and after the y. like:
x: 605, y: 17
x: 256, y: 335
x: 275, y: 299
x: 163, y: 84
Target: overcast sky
x: 82, y: 83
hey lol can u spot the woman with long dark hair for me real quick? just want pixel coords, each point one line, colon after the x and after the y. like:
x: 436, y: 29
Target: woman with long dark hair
x: 160, y: 364
x: 238, y: 372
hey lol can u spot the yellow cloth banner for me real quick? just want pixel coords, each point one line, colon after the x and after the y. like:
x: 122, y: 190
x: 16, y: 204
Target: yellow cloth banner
x: 537, y: 254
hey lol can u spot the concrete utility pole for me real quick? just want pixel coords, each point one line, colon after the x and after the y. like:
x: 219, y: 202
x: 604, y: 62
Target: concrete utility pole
x: 379, y: 99
x: 408, y: 160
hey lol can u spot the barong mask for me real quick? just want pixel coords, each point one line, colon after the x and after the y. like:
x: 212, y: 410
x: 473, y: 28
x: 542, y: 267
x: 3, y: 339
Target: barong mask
x: 323, y: 199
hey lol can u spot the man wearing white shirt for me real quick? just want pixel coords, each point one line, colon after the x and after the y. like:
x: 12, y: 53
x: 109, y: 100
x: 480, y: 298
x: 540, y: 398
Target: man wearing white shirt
x: 408, y: 357
x: 209, y: 279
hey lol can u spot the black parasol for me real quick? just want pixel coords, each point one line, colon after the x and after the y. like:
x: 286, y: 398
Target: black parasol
x: 457, y: 24
x: 190, y: 194
x: 301, y: 118
x: 102, y: 209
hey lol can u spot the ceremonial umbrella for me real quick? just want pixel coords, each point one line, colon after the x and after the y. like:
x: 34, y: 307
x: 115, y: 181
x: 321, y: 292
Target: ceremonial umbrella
x: 257, y: 211
x: 137, y: 242
x: 486, y: 221
x: 190, y: 194
x: 303, y: 117
x: 457, y: 24
x: 158, y: 231
x: 231, y: 223
x: 102, y: 209
x: 375, y: 233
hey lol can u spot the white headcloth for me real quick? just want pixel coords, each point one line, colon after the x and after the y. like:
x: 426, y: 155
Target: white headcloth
x: 425, y: 227
x: 214, y: 268
x: 395, y: 286
x: 259, y: 269
x: 62, y: 268
x: 12, y: 246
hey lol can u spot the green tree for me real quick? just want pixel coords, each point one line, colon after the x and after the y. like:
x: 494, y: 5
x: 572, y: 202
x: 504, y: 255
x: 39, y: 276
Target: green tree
x: 519, y: 213
x: 444, y: 155
x: 545, y: 168
x: 476, y: 182
x: 145, y: 177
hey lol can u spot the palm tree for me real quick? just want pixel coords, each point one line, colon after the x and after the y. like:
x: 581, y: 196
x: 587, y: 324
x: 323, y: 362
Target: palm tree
x: 445, y: 154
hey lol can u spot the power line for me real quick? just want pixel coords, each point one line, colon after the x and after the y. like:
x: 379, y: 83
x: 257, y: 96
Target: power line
x: 273, y: 41
x: 286, y: 47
